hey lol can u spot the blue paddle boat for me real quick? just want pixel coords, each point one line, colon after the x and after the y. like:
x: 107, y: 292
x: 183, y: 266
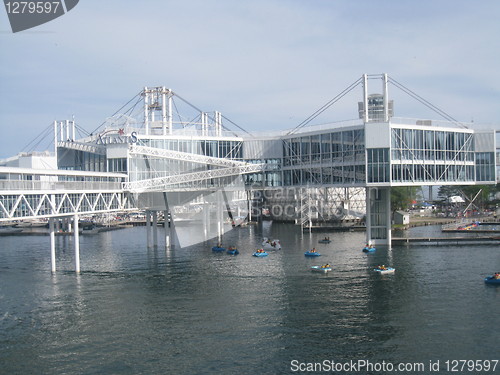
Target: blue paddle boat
x: 232, y: 251
x: 491, y: 280
x: 312, y: 253
x: 369, y: 249
x: 218, y: 249
x: 260, y: 253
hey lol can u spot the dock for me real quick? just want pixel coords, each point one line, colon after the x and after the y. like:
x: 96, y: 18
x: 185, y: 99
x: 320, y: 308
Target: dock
x: 446, y: 241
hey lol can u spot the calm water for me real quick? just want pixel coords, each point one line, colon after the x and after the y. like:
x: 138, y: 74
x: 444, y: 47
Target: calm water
x: 190, y: 311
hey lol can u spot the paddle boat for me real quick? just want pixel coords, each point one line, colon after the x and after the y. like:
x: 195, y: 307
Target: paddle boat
x: 267, y: 244
x: 232, y: 251
x: 260, y: 253
x: 369, y: 249
x: 325, y: 240
x: 312, y: 253
x: 383, y: 270
x: 218, y: 249
x: 492, y: 280
x: 325, y: 268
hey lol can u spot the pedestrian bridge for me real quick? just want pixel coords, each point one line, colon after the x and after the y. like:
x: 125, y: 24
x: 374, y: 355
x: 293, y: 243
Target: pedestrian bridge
x: 158, y: 164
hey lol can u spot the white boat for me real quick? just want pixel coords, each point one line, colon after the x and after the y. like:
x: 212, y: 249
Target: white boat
x: 322, y: 269
x: 385, y: 271
x: 271, y: 244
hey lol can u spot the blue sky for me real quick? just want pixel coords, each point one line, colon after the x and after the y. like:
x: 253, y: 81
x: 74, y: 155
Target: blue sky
x: 266, y: 65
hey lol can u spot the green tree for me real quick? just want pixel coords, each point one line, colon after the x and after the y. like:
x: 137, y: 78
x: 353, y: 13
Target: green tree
x: 402, y: 197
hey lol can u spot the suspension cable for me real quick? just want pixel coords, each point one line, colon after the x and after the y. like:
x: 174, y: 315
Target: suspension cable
x: 426, y: 103
x: 326, y: 106
x: 138, y: 94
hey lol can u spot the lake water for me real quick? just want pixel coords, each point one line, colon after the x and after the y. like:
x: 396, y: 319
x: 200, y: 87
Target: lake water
x: 134, y: 310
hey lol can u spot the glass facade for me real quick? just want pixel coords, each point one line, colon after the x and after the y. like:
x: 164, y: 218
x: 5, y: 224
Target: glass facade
x: 433, y: 156
x: 378, y: 164
x: 485, y: 166
x: 331, y: 158
x: 405, y: 154
x: 81, y: 160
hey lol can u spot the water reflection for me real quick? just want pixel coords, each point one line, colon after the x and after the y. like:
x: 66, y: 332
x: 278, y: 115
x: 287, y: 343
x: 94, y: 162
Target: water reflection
x: 189, y: 310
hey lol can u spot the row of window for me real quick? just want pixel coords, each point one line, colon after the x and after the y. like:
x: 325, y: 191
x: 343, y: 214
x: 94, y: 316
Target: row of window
x: 215, y: 148
x: 341, y: 146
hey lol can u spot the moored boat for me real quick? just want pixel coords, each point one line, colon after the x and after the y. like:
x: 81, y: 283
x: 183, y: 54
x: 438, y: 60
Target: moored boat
x: 324, y: 269
x: 369, y: 249
x: 218, y: 249
x: 491, y: 280
x: 268, y: 244
x: 383, y: 270
x: 232, y: 251
x: 324, y: 240
x: 312, y: 253
x: 260, y: 253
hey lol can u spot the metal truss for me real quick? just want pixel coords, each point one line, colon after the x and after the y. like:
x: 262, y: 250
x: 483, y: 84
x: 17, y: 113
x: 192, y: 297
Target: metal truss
x: 193, y: 178
x: 185, y: 156
x: 27, y: 205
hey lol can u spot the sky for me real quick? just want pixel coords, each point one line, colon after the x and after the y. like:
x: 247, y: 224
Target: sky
x: 266, y: 65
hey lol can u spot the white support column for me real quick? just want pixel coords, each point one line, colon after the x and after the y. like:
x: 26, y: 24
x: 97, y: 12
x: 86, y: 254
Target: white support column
x: 167, y: 230
x: 146, y: 110
x: 61, y: 130
x: 388, y: 215
x: 67, y: 131
x: 249, y: 203
x: 219, y: 217
x: 148, y: 227
x: 164, y: 110
x: 368, y: 220
x: 55, y: 139
x: 378, y: 216
x: 204, y: 123
x: 205, y: 222
x: 218, y: 123
x: 73, y: 129
x: 386, y: 98
x: 170, y: 119
x: 173, y: 234
x: 77, y: 245
x: 365, y: 98
x: 155, y: 228
x: 52, y: 244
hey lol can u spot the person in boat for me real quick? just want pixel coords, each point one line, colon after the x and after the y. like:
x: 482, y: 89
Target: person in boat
x: 326, y: 239
x: 313, y: 250
x: 496, y: 276
x: 326, y: 266
x: 382, y: 267
x: 260, y: 250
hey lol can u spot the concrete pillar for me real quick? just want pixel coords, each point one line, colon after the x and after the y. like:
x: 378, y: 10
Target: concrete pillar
x: 148, y: 227
x: 378, y: 216
x: 167, y: 230
x: 219, y: 217
x: 52, y: 244
x: 77, y: 245
x: 155, y: 228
